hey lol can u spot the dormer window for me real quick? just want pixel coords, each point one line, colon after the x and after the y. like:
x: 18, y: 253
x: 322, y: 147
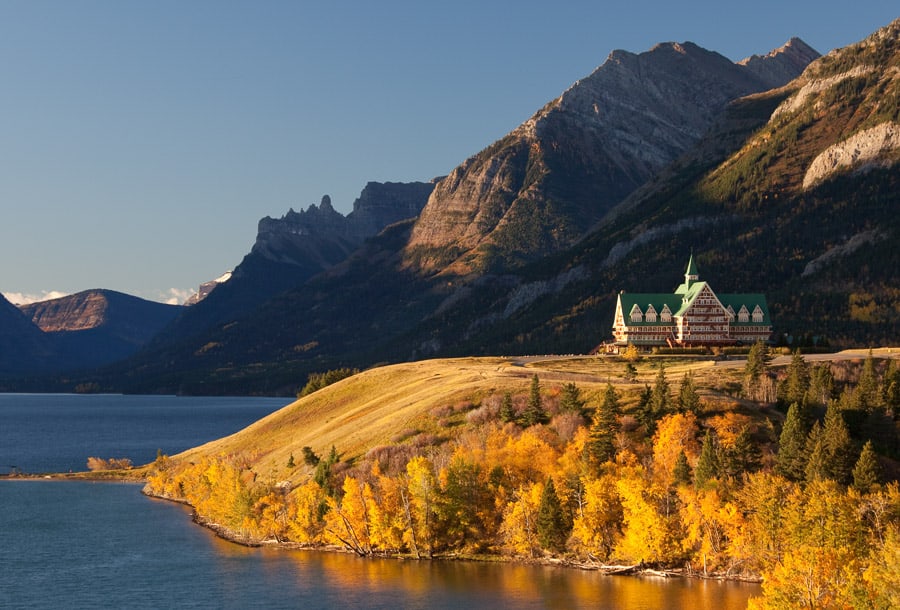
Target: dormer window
x: 636, y: 315
x: 666, y: 314
x: 651, y: 313
x: 730, y: 311
x: 757, y: 314
x: 743, y: 314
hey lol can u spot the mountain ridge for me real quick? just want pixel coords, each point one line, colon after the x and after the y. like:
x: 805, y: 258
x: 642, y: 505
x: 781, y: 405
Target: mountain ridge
x: 540, y: 187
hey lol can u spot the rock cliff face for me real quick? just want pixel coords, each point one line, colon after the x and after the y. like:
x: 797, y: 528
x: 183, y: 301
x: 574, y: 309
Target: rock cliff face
x: 783, y: 64
x: 325, y: 237
x: 132, y: 319
x: 206, y: 288
x: 291, y: 249
x: 542, y: 186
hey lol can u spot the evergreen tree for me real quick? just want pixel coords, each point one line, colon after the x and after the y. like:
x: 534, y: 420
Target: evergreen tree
x: 659, y: 399
x: 890, y: 394
x: 688, y: 398
x: 570, y: 399
x: 743, y: 456
x: 323, y: 477
x: 867, y: 387
x: 552, y: 529
x: 644, y: 412
x: 791, y: 459
x: 507, y: 413
x: 817, y: 463
x: 534, y: 412
x: 796, y: 385
x: 707, y: 467
x: 838, y: 448
x: 757, y: 360
x: 682, y: 470
x: 821, y: 385
x: 867, y: 472
x: 309, y: 456
x: 630, y: 372
x: 601, y: 445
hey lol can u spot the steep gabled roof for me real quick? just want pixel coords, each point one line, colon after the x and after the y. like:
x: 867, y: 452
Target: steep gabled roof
x: 643, y: 300
x: 751, y: 300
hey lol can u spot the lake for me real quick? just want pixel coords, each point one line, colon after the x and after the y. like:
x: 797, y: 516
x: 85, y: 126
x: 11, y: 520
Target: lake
x: 102, y: 545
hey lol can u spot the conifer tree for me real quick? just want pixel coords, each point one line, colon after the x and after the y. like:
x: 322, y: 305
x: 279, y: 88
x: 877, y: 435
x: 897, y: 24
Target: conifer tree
x: 867, y: 387
x: 570, y: 399
x: 507, y: 413
x: 816, y: 464
x: 838, y: 447
x: 682, y: 470
x: 821, y: 385
x: 867, y: 472
x: 796, y: 385
x: 601, y: 445
x: 552, y: 529
x: 644, y: 412
x: 688, y: 398
x: 890, y: 394
x: 534, y: 412
x: 659, y: 398
x: 707, y: 467
x: 757, y: 361
x: 791, y: 459
x: 743, y: 456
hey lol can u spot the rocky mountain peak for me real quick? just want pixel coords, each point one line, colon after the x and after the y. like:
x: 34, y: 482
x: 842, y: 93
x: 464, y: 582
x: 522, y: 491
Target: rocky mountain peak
x: 783, y: 64
x: 539, y: 188
x: 323, y: 234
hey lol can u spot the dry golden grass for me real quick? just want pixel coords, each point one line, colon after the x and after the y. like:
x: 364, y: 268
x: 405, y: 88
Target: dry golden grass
x: 377, y: 406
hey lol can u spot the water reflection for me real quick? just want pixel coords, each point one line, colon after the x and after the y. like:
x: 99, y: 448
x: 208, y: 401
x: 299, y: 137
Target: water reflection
x: 452, y: 584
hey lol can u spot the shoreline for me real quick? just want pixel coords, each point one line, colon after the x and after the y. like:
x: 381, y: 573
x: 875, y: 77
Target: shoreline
x: 641, y: 570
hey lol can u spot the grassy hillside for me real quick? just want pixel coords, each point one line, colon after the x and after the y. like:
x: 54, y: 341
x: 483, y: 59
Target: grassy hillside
x: 427, y: 400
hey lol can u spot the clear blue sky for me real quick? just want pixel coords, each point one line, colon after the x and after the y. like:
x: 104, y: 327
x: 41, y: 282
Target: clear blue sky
x: 142, y: 141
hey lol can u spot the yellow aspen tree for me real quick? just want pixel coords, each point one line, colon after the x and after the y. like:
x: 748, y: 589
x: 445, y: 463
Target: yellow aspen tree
x: 519, y: 529
x: 765, y: 503
x: 347, y: 522
x: 882, y: 576
x: 674, y: 433
x: 705, y: 533
x: 810, y: 576
x: 305, y: 506
x: 419, y: 506
x: 270, y: 516
x: 528, y: 459
x: 650, y: 526
x: 596, y: 528
x: 388, y: 517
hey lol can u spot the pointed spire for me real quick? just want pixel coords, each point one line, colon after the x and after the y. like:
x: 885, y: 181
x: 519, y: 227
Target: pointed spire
x: 691, y: 275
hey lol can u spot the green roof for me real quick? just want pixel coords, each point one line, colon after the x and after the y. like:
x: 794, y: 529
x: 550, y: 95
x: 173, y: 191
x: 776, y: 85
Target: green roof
x: 679, y: 302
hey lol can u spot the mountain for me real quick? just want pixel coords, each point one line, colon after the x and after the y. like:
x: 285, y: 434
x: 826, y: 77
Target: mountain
x: 541, y: 187
x: 23, y: 347
x: 791, y: 192
x: 206, y: 287
x: 96, y: 327
x: 290, y: 250
x: 391, y: 300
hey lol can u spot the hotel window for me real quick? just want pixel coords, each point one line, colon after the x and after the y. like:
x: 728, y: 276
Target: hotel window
x: 636, y: 315
x: 743, y: 314
x: 757, y: 314
x: 651, y: 314
x: 666, y: 315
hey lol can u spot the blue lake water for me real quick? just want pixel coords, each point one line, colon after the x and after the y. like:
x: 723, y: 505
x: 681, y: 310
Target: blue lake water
x: 104, y: 545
